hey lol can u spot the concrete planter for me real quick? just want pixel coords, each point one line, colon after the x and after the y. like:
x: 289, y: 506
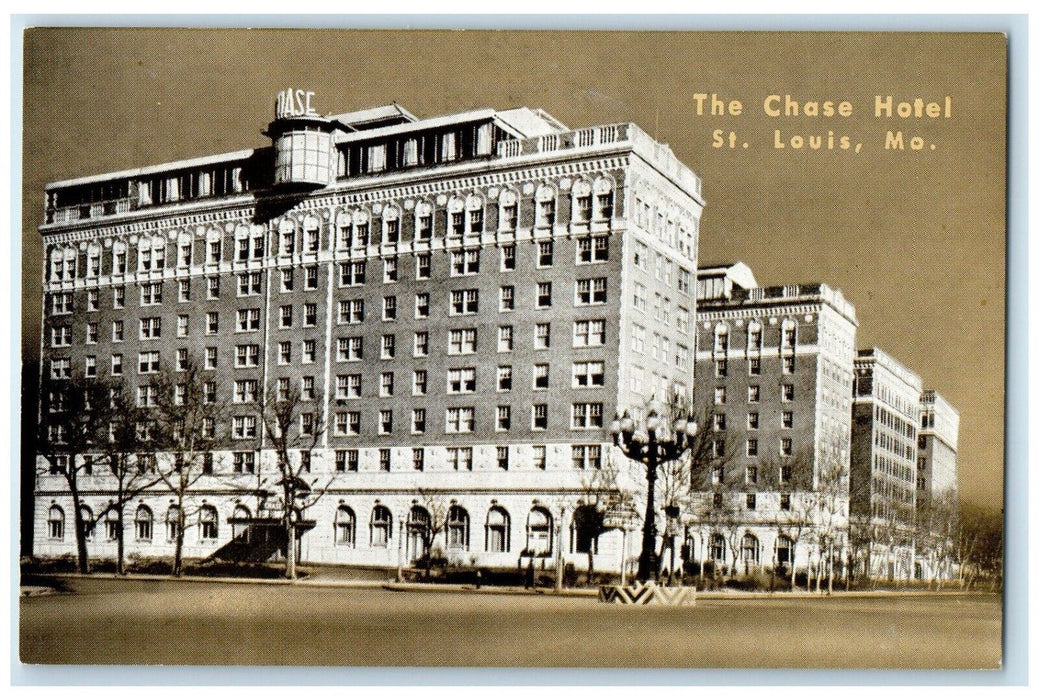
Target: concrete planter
x: 648, y: 593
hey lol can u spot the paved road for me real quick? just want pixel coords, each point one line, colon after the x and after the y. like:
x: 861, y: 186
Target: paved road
x: 161, y: 622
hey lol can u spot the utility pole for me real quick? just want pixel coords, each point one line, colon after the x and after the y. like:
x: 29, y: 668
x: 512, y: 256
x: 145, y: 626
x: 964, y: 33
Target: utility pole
x: 559, y: 549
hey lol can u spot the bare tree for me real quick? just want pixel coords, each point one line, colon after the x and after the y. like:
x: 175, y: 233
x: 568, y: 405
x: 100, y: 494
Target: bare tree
x: 132, y: 474
x: 74, y: 425
x: 830, y: 504
x: 187, y: 421
x: 292, y: 424
x: 601, y: 493
x: 437, y: 508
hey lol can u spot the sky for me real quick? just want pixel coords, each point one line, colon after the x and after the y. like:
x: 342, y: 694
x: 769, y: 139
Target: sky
x: 915, y: 238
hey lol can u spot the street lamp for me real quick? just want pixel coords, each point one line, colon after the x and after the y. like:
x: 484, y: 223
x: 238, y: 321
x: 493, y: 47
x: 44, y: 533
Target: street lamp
x: 656, y: 445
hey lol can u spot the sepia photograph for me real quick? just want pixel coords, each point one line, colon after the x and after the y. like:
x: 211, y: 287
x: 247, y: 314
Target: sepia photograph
x: 511, y: 349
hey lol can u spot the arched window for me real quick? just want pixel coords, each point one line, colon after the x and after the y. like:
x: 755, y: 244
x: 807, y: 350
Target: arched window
x: 754, y: 337
x: 112, y: 525
x: 361, y: 228
x: 457, y: 528
x: 118, y: 257
x: 173, y: 525
x: 508, y: 211
x: 286, y: 237
x: 158, y: 252
x: 581, y: 209
x: 214, y: 246
x: 56, y: 523
x: 87, y: 516
x: 423, y: 221
x: 603, y: 199
x: 381, y: 526
x: 789, y: 340
x: 311, y: 235
x: 455, y: 217
x: 784, y: 547
x: 545, y: 207
x: 390, y: 225
x: 498, y: 529
x: 587, y: 524
x: 751, y: 549
x: 208, y: 523
x: 344, y: 526
x: 343, y: 226
x: 721, y: 339
x: 143, y: 523
x: 717, y: 547
x: 239, y: 520
x: 539, y: 531
x: 474, y: 214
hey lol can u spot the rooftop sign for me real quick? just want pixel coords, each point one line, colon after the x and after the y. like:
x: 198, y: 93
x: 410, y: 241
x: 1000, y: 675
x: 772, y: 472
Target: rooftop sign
x: 294, y: 103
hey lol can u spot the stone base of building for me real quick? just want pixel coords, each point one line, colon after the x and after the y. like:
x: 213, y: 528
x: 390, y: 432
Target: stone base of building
x: 648, y: 593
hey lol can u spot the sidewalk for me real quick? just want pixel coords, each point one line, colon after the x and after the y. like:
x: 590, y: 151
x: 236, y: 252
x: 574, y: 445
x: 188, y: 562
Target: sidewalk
x: 330, y: 580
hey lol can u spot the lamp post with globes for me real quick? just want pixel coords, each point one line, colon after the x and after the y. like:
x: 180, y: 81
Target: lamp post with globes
x: 658, y: 444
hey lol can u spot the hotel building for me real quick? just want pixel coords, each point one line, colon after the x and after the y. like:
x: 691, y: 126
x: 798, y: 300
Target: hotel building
x: 774, y: 369
x: 886, y: 425
x: 465, y: 302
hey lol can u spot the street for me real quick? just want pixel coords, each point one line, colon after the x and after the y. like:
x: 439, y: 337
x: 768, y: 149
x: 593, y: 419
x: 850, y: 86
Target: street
x: 106, y: 621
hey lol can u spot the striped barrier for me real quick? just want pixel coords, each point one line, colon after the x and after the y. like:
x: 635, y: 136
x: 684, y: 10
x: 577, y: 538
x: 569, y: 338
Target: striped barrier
x: 648, y: 593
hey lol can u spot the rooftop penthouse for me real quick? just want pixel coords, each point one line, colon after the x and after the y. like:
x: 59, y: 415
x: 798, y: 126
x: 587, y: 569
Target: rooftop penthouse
x: 312, y: 152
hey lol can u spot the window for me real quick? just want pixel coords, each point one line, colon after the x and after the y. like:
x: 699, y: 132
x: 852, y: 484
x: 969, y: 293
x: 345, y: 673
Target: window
x: 351, y: 274
x: 590, y: 291
x: 209, y: 392
x: 718, y: 448
x: 787, y: 392
x: 543, y: 295
x: 386, y: 384
x: 751, y: 475
x: 421, y: 344
x: 539, y: 531
x: 545, y: 208
x: 539, y: 416
x: 461, y: 381
x: 207, y: 519
x: 287, y: 280
x: 464, y: 302
x: 244, y: 391
x: 719, y: 396
x: 151, y: 294
x: 784, y: 504
x: 310, y: 276
x: 184, y: 290
x: 418, y: 421
x: 143, y: 520
x: 753, y: 394
x: 422, y: 305
x: 542, y: 336
x: 789, y: 335
x: 385, y: 459
x: 349, y: 349
x: 351, y: 311
x: 461, y: 341
x: 504, y: 338
x: 388, y: 347
x: 309, y: 351
x: 752, y: 421
x: 423, y: 221
x: 585, y: 416
x: 61, y: 368
x: 247, y: 355
x: 418, y: 458
x: 385, y: 421
x: 148, y: 362
x: 498, y: 529
x: 418, y: 382
x: 423, y: 266
x: 752, y: 447
x: 248, y: 284
x: 539, y: 456
x: 460, y: 419
x: 505, y: 378
x: 342, y: 458
x: 389, y: 308
x: 348, y: 423
x: 588, y: 374
x: 460, y: 458
x: 389, y: 270
x: 508, y: 258
x: 248, y: 320
x: 593, y: 249
x: 182, y: 359
x: 540, y: 376
x: 465, y: 262
x: 61, y: 336
x: 506, y: 298
x: 718, y: 421
x: 788, y: 419
x: 786, y: 448
x: 508, y: 210
x: 344, y: 524
x: 117, y: 365
x: 151, y: 328
x: 173, y: 523
x: 457, y: 528
x: 721, y: 368
x: 309, y: 315
x: 586, y: 456
x: 213, y: 287
x: 348, y: 386
x: 244, y: 427
x: 544, y: 257
x: 285, y: 314
x: 381, y: 526
x: 788, y: 365
x: 589, y: 333
x: 117, y: 331
x: 504, y: 418
x: 284, y: 352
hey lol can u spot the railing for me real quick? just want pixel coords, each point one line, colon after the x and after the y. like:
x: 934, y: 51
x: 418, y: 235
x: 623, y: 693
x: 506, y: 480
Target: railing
x: 78, y: 212
x: 660, y: 155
